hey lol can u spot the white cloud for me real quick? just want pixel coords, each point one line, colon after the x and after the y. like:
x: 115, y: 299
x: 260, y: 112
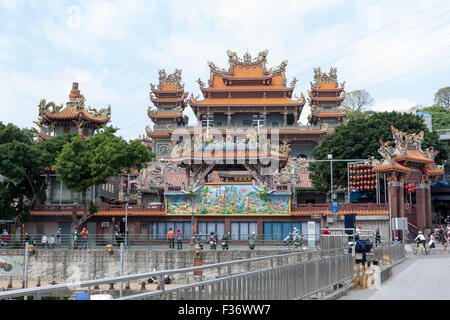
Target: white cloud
x: 394, y: 104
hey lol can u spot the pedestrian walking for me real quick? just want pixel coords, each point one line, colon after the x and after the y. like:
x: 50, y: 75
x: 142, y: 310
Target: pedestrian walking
x: 44, y: 241
x: 75, y: 238
x: 171, y: 238
x: 378, y: 235
x: 431, y: 243
x: 84, y: 238
x: 58, y: 237
x: 179, y: 240
x: 51, y: 241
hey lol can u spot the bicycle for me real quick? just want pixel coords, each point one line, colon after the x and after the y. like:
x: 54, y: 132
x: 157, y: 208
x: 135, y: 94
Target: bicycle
x: 420, y: 248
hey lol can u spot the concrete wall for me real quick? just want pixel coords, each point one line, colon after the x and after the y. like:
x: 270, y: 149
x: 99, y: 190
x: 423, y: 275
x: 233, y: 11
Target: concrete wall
x: 71, y: 265
x: 367, y: 223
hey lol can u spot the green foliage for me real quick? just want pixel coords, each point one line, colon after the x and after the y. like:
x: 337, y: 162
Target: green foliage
x: 442, y: 97
x: 440, y: 116
x: 83, y: 163
x: 359, y: 138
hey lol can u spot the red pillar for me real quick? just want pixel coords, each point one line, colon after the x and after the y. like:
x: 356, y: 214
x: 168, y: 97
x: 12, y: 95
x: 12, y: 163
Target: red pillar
x: 401, y: 199
x: 428, y: 206
x: 421, y: 207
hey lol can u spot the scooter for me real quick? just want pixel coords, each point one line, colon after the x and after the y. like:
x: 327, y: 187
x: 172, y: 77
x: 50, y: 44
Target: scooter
x: 167, y: 278
x: 198, y: 240
x: 212, y: 243
x: 251, y: 243
x: 225, y: 243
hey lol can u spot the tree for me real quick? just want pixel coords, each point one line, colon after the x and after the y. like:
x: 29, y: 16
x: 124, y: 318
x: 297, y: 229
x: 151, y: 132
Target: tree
x: 359, y: 139
x: 440, y: 116
x: 357, y: 100
x: 442, y: 97
x: 22, y: 163
x: 84, y: 163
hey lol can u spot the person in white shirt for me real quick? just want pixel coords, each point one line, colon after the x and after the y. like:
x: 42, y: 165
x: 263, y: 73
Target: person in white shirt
x: 44, y: 241
x: 420, y: 239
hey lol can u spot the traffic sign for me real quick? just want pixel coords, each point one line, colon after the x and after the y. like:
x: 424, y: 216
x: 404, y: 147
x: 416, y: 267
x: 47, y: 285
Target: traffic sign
x: 334, y: 206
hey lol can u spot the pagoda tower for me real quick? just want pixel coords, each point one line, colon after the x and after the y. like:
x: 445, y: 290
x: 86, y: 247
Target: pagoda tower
x: 325, y: 98
x: 248, y: 95
x: 75, y: 117
x: 405, y: 162
x: 170, y: 99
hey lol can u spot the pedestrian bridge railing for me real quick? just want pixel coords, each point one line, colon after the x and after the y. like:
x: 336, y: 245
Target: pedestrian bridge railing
x: 295, y: 275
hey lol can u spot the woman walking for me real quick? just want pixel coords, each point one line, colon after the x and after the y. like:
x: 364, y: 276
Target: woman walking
x: 179, y: 240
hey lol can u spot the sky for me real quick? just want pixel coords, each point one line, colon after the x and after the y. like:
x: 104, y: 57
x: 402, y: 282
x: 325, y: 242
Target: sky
x: 396, y: 50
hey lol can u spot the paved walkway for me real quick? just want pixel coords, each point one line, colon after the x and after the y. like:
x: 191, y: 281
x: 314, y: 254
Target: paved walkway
x: 418, y: 277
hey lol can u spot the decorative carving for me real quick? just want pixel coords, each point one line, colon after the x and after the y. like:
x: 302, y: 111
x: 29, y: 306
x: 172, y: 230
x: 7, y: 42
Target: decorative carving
x: 323, y: 77
x: 44, y: 107
x: 293, y: 82
x: 173, y: 78
x: 201, y: 83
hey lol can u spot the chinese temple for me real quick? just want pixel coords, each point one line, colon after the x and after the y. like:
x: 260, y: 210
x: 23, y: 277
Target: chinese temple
x: 406, y: 166
x: 325, y: 98
x: 170, y: 100
x: 75, y: 117
x: 244, y: 167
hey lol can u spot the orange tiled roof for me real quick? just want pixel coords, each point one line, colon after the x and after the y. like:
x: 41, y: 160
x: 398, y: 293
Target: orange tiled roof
x: 414, y: 155
x: 70, y: 113
x: 433, y: 171
x: 246, y: 101
x: 327, y: 86
x: 167, y: 114
x: 170, y: 99
x: 395, y: 167
x: 329, y: 114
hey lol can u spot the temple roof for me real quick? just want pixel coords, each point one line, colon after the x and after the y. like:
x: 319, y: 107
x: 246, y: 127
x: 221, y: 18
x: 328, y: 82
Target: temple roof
x: 75, y: 112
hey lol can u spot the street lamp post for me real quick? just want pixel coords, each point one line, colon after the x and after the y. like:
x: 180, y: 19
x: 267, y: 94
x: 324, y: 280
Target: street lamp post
x: 127, y: 198
x: 330, y: 157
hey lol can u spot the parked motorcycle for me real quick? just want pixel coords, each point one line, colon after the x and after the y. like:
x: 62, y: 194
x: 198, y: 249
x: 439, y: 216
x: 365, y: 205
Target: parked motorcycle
x: 167, y: 278
x: 198, y: 240
x: 225, y: 242
x: 252, y: 241
x: 213, y: 242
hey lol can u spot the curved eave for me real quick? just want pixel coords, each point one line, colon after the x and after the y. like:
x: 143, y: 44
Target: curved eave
x: 84, y: 116
x: 167, y: 116
x: 413, y: 159
x: 328, y: 115
x: 396, y: 167
x: 326, y: 99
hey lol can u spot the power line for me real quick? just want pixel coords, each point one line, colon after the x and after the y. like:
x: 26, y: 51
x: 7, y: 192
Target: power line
x: 415, y: 70
x: 423, y: 56
x: 365, y: 36
x: 378, y: 42
x: 379, y: 62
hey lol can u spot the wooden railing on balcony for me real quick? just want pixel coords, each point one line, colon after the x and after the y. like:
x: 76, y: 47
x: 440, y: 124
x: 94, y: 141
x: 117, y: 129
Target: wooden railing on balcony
x: 342, y: 206
x: 104, y: 207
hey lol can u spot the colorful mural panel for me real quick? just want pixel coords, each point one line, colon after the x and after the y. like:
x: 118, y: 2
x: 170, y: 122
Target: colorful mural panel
x: 228, y: 199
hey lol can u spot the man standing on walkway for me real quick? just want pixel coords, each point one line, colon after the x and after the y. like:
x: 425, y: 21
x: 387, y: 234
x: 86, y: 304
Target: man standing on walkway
x: 84, y: 238
x: 75, y: 237
x: 171, y: 238
x: 58, y: 237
